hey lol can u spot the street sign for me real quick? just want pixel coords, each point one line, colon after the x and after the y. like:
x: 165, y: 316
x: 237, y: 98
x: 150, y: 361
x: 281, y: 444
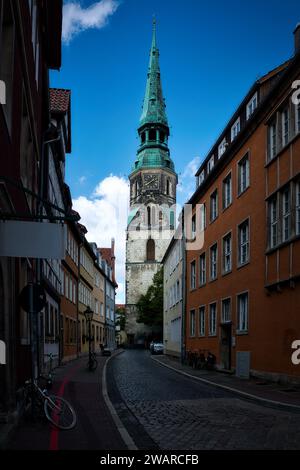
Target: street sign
x: 42, y: 240
x: 37, y: 294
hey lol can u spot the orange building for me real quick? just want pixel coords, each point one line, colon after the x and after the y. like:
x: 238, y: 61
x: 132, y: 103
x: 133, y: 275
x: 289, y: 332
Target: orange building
x: 242, y: 286
x: 69, y: 299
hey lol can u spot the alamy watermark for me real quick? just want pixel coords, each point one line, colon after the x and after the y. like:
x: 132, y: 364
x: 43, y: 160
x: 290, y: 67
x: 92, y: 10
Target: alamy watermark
x: 296, y: 94
x: 2, y: 353
x: 296, y: 354
x: 2, y: 92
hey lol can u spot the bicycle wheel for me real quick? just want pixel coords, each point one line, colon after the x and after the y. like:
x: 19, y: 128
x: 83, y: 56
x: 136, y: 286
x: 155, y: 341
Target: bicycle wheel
x: 59, y: 412
x: 92, y: 364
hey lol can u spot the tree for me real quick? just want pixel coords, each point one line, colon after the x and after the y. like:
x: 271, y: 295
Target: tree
x: 150, y: 305
x: 121, y: 318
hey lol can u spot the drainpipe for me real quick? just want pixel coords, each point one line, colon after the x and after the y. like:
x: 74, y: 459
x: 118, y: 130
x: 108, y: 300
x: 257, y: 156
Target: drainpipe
x: 183, y: 314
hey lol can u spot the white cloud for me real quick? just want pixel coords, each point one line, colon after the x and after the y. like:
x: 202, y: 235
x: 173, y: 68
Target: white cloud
x: 77, y: 19
x: 82, y: 180
x: 105, y: 216
x: 186, y: 184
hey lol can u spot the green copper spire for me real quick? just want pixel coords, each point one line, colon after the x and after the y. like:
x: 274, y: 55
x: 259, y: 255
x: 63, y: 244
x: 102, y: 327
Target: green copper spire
x: 154, y: 104
x: 153, y: 130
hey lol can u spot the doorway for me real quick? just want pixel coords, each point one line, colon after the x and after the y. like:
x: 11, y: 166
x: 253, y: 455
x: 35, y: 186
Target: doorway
x: 226, y: 344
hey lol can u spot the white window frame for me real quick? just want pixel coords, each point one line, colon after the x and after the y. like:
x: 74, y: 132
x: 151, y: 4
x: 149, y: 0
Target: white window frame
x: 243, y: 173
x: 192, y: 323
x: 214, y: 205
x: 212, y: 319
x: 210, y: 164
x: 222, y: 148
x: 223, y: 313
x: 227, y: 253
x: 243, y: 315
x: 251, y: 106
x: 202, y: 269
x: 274, y: 219
x: 227, y: 190
x: 202, y: 321
x: 235, y: 129
x: 193, y: 274
x: 201, y: 177
x: 285, y: 126
x: 244, y: 243
x: 213, y: 262
x: 286, y: 214
x: 297, y: 118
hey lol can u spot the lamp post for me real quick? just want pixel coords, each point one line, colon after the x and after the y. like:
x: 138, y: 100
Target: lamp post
x: 89, y: 316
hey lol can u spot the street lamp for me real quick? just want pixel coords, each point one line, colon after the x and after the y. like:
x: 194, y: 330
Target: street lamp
x: 89, y: 316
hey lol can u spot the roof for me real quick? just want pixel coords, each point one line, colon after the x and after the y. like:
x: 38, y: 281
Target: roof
x: 107, y: 255
x: 59, y: 100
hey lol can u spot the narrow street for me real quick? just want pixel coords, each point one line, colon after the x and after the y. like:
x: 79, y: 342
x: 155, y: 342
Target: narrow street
x: 163, y: 409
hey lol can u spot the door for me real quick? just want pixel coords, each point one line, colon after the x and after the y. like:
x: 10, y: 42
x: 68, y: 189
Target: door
x: 226, y: 343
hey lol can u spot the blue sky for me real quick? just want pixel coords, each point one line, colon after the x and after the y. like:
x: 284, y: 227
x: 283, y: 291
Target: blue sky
x: 210, y: 55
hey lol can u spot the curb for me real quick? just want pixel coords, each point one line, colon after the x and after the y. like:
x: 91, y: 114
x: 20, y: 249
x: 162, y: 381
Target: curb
x: 266, y: 401
x: 121, y: 428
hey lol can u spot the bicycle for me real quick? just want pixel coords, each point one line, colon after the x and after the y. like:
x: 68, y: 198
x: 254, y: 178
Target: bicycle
x: 50, y: 370
x: 92, y: 362
x: 56, y: 409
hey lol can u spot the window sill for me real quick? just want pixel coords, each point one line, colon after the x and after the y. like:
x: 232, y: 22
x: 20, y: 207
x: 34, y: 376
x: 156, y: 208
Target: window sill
x: 213, y: 220
x: 202, y: 285
x: 227, y: 207
x: 241, y: 333
x: 243, y: 192
x: 295, y: 238
x: 282, y: 150
x: 242, y: 265
x: 225, y: 273
x: 212, y: 335
x: 213, y: 280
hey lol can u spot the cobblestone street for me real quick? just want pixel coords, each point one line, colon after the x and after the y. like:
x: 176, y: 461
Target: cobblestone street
x: 176, y: 412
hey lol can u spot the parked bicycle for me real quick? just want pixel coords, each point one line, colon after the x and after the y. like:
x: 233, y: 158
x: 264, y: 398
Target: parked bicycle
x: 56, y: 409
x: 92, y: 362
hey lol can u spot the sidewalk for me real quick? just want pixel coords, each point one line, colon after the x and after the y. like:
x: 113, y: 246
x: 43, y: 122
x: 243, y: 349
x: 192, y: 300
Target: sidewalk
x: 268, y: 393
x: 95, y: 429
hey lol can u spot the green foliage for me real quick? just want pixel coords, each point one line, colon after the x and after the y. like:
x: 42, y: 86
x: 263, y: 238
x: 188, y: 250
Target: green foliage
x: 150, y: 305
x: 121, y: 320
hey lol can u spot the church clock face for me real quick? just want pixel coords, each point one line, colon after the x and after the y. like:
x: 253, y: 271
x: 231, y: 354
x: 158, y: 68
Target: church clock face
x: 151, y: 181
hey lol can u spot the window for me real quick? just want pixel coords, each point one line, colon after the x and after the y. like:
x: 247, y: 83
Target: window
x: 201, y: 177
x: 7, y: 59
x: 202, y: 268
x: 298, y: 208
x: 243, y: 237
x: 213, y: 319
x: 286, y: 214
x: 214, y: 205
x: 273, y: 216
x: 192, y: 322
x: 213, y: 262
x: 152, y: 135
x: 202, y: 218
x: 194, y: 227
x: 193, y: 275
x: 251, y: 106
x: 285, y: 126
x: 235, y: 129
x: 202, y: 321
x: 210, y: 164
x: 243, y: 174
x: 150, y: 250
x: 222, y: 148
x: 227, y: 253
x: 226, y: 310
x: 272, y: 138
x: 242, y: 312
x: 297, y: 118
x: 227, y: 191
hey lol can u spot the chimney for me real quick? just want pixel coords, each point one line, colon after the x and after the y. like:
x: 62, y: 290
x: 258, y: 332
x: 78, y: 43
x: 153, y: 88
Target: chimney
x: 297, y: 39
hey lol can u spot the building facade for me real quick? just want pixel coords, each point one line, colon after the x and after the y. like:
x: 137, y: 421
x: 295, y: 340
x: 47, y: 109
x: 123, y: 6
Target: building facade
x: 243, y: 288
x: 108, y: 266
x: 99, y: 301
x: 30, y: 45
x: 174, y: 291
x: 153, y: 183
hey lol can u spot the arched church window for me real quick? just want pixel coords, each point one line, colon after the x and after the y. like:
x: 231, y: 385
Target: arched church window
x: 148, y: 216
x: 168, y: 187
x: 150, y: 250
x: 152, y: 134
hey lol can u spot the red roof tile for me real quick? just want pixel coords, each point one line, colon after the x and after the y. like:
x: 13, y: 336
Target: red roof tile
x: 59, y: 100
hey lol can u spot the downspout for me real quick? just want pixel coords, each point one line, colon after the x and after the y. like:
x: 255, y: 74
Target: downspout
x: 183, y: 315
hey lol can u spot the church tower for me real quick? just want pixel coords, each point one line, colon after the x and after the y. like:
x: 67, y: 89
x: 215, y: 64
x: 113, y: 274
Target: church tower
x: 153, y: 182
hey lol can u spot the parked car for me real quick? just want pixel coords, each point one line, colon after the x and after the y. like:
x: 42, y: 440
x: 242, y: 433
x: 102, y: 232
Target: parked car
x: 157, y: 348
